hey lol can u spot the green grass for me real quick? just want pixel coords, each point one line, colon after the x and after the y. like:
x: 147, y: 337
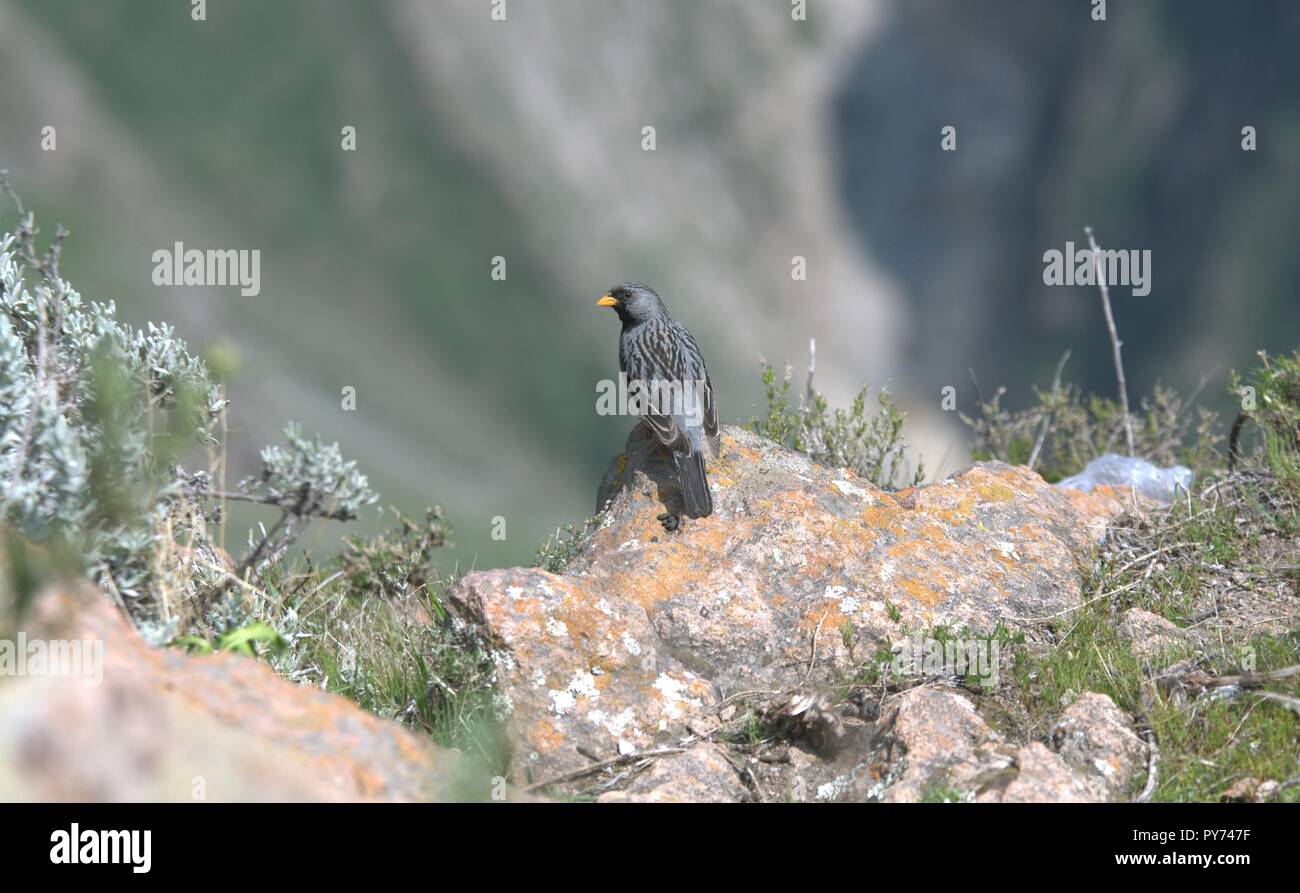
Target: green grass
x: 1205, y: 744
x: 870, y: 441
x: 1270, y: 396
x: 565, y: 544
x: 1205, y: 747
x: 371, y: 625
x: 1237, y: 530
x: 941, y: 792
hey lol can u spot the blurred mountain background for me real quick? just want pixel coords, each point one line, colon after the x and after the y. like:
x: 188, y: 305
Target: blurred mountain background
x: 775, y: 138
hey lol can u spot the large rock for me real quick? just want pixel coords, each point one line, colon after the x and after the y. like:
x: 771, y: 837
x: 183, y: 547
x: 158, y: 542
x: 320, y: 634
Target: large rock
x: 796, y: 577
x: 160, y: 725
x: 793, y: 546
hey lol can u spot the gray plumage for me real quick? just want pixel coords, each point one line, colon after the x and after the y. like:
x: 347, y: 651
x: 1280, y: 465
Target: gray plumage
x: 654, y: 348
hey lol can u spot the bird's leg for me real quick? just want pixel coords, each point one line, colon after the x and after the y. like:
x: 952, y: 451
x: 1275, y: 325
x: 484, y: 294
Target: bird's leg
x: 672, y: 522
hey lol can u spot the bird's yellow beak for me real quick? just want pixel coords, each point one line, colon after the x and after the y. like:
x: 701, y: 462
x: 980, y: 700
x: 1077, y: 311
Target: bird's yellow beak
x: 606, y: 301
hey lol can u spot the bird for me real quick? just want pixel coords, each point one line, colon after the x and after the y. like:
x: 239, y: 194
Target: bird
x: 657, y: 351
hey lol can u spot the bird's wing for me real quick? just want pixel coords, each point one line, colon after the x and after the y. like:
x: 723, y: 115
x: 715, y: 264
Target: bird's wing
x: 654, y: 353
x: 696, y: 371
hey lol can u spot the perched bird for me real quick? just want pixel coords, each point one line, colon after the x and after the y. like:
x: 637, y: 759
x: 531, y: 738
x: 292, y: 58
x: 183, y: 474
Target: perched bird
x: 657, y: 350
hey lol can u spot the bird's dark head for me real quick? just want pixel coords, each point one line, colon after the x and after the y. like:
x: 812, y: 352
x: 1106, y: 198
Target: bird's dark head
x: 633, y: 303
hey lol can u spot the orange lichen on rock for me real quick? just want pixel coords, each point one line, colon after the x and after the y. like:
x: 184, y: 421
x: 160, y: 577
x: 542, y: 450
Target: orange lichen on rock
x: 648, y: 630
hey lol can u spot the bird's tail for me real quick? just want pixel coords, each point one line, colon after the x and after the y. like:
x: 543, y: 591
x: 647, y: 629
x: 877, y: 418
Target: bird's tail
x: 695, y: 485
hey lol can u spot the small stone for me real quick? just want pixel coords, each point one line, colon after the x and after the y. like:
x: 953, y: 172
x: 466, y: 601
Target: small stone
x: 800, y: 759
x: 1096, y: 738
x: 702, y: 726
x: 1150, y: 634
x: 1243, y: 790
x: 1267, y: 791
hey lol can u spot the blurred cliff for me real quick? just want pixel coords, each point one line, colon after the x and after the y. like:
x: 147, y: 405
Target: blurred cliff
x: 774, y: 139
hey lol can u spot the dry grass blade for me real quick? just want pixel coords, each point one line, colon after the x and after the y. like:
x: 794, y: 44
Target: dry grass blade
x: 1245, y: 680
x: 1047, y: 419
x: 1289, y: 701
x: 603, y: 764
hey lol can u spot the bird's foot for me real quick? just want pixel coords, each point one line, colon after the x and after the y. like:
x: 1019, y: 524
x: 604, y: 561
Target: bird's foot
x: 672, y: 523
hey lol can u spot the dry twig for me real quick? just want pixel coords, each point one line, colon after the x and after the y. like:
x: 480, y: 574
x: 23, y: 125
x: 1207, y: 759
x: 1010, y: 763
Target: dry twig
x: 603, y: 764
x: 1114, y: 340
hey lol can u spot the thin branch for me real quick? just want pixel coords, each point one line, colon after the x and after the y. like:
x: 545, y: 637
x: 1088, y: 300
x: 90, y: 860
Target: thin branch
x: 1196, y: 392
x: 1288, y: 701
x: 253, y: 559
x: 1114, y: 340
x: 1245, y: 680
x: 9, y: 191
x: 334, y: 515
x: 812, y: 659
x: 812, y: 367
x: 1152, y: 554
x: 229, y: 578
x: 1047, y: 419
x: 603, y: 764
x: 1153, y: 766
x: 979, y: 395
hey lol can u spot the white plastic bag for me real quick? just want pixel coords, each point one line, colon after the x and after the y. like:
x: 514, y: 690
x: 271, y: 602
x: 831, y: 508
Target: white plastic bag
x: 1150, y: 481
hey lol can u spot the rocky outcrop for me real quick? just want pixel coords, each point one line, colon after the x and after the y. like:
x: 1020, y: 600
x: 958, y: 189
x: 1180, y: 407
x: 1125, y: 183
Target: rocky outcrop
x: 146, y: 724
x: 651, y: 641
